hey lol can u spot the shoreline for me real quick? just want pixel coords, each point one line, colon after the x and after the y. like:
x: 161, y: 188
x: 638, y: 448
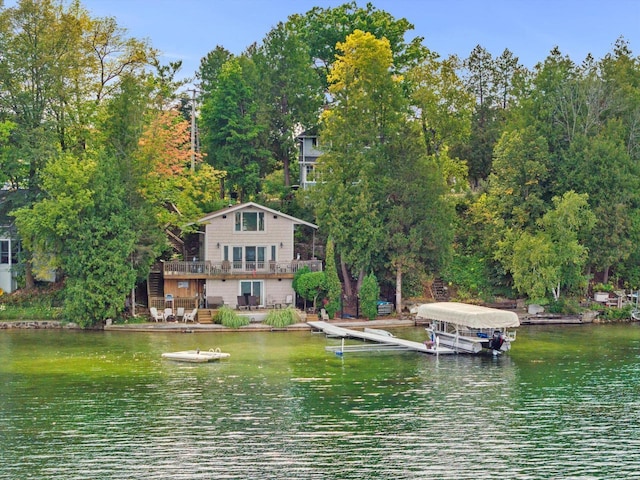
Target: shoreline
x: 177, y: 327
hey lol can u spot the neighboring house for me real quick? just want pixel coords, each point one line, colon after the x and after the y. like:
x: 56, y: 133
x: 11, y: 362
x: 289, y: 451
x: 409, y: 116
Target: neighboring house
x: 245, y: 250
x: 9, y: 246
x: 308, y: 154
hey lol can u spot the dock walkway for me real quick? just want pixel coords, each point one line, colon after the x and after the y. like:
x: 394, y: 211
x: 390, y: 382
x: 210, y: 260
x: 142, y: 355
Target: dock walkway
x: 335, y: 331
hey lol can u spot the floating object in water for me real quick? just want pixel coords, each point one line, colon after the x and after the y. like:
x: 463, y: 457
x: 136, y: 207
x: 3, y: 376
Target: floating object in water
x: 196, y: 356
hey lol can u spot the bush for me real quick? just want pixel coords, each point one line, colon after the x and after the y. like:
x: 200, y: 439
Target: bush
x: 282, y: 318
x: 229, y: 318
x: 369, y: 294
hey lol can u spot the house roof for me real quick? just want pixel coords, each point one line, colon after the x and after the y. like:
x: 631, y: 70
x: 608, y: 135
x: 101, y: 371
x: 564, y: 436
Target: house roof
x: 242, y: 206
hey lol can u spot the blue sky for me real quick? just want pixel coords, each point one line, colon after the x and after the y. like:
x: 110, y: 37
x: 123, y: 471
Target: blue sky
x: 188, y: 29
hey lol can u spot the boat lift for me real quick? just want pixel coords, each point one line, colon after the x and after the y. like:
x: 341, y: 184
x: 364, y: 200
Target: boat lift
x: 384, y: 339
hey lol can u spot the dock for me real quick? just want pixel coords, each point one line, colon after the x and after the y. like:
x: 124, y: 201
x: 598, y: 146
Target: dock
x: 381, y: 338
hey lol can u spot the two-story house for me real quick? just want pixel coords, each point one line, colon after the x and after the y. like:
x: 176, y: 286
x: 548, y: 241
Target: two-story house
x: 244, y: 250
x: 308, y: 154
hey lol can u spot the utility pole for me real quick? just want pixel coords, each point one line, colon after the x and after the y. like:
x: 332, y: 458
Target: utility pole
x: 193, y: 130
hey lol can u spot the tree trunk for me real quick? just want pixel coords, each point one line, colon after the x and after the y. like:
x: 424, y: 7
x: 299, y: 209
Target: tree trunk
x: 29, y: 281
x: 399, y: 290
x: 287, y: 171
x: 346, y: 278
x: 605, y: 275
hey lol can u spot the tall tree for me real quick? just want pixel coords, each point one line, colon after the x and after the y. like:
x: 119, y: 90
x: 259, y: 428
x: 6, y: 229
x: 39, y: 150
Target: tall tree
x: 291, y: 92
x: 232, y: 133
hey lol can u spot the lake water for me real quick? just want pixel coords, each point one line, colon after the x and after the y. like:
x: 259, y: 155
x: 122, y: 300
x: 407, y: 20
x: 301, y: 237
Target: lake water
x: 565, y: 403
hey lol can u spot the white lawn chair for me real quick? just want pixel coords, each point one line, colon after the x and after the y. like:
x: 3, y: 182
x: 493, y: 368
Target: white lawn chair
x: 190, y: 317
x: 155, y: 315
x: 179, y: 313
x: 168, y: 314
x: 289, y: 300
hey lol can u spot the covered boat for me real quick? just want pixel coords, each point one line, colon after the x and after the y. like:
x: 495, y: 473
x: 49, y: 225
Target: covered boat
x: 196, y: 356
x: 469, y: 328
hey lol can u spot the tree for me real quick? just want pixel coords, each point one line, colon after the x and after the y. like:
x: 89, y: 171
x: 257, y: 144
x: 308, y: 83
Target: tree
x: 291, y: 92
x: 369, y: 296
x: 551, y: 259
x: 232, y: 133
x: 367, y: 105
x: 312, y: 286
x: 322, y: 29
x: 334, y: 287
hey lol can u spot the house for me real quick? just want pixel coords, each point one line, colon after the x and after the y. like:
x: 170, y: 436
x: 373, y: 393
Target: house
x: 8, y: 258
x: 245, y: 250
x: 308, y: 154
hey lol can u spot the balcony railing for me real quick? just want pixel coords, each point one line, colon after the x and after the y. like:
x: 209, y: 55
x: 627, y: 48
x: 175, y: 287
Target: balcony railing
x: 216, y: 269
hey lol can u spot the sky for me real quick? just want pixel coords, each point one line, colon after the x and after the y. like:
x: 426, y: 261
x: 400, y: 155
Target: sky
x: 188, y: 29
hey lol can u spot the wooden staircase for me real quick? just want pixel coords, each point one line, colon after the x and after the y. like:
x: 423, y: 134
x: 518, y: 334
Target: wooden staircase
x: 205, y: 315
x: 155, y: 284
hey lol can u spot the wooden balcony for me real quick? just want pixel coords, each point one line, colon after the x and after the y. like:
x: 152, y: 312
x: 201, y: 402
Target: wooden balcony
x: 237, y: 270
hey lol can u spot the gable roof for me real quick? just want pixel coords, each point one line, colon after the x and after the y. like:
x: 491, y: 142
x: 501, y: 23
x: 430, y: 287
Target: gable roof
x: 241, y: 206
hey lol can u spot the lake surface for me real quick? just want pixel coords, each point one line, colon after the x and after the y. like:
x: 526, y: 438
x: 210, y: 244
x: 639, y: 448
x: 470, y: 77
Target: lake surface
x: 565, y: 403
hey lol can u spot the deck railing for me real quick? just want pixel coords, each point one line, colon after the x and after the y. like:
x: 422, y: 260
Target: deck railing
x: 208, y: 268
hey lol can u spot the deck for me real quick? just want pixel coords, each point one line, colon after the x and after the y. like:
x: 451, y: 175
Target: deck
x: 340, y: 332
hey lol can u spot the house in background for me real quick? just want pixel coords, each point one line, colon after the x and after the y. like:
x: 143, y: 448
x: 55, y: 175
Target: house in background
x: 9, y: 247
x: 308, y: 154
x: 245, y: 250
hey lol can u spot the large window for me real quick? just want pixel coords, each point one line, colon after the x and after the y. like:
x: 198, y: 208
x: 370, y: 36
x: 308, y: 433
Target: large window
x: 249, y: 221
x: 252, y: 287
x: 4, y: 252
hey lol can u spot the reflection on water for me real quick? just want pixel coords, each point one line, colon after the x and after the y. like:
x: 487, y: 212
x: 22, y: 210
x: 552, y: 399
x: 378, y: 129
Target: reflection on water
x: 563, y: 404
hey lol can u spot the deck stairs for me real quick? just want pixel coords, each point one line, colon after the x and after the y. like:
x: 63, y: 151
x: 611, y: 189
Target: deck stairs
x: 155, y: 284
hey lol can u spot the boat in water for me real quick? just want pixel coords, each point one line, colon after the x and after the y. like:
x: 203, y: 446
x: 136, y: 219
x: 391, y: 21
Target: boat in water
x: 469, y: 328
x: 196, y: 356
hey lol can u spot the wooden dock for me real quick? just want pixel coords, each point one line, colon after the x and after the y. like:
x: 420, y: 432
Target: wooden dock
x: 339, y: 332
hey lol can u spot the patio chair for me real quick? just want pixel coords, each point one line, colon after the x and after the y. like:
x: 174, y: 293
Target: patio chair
x: 254, y: 302
x: 179, y: 313
x: 155, y: 315
x: 168, y: 314
x: 191, y: 316
x: 324, y: 315
x: 215, y: 302
x: 242, y: 303
x: 271, y: 302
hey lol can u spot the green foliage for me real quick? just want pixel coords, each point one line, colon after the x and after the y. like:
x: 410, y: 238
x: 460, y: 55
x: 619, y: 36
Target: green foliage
x: 564, y: 305
x: 282, y: 318
x: 614, y: 314
x: 229, y: 318
x: 313, y: 286
x: 296, y: 277
x: 468, y: 273
x: 334, y: 287
x: 369, y: 296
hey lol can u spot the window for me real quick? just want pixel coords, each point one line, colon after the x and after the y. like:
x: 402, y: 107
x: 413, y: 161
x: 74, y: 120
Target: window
x: 252, y: 287
x: 4, y: 252
x: 249, y: 222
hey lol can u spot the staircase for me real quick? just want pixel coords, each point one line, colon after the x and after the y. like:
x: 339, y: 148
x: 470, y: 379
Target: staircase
x: 155, y: 284
x: 205, y: 315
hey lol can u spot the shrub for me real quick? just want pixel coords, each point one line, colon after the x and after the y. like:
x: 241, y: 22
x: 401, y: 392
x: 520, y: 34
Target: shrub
x: 282, y: 318
x: 229, y: 318
x: 369, y: 294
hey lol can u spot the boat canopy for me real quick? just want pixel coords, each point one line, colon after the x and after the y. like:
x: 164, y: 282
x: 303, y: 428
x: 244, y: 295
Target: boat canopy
x: 470, y: 316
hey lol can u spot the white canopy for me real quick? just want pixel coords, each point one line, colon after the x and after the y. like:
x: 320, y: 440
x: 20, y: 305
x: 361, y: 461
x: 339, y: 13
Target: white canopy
x: 471, y: 316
